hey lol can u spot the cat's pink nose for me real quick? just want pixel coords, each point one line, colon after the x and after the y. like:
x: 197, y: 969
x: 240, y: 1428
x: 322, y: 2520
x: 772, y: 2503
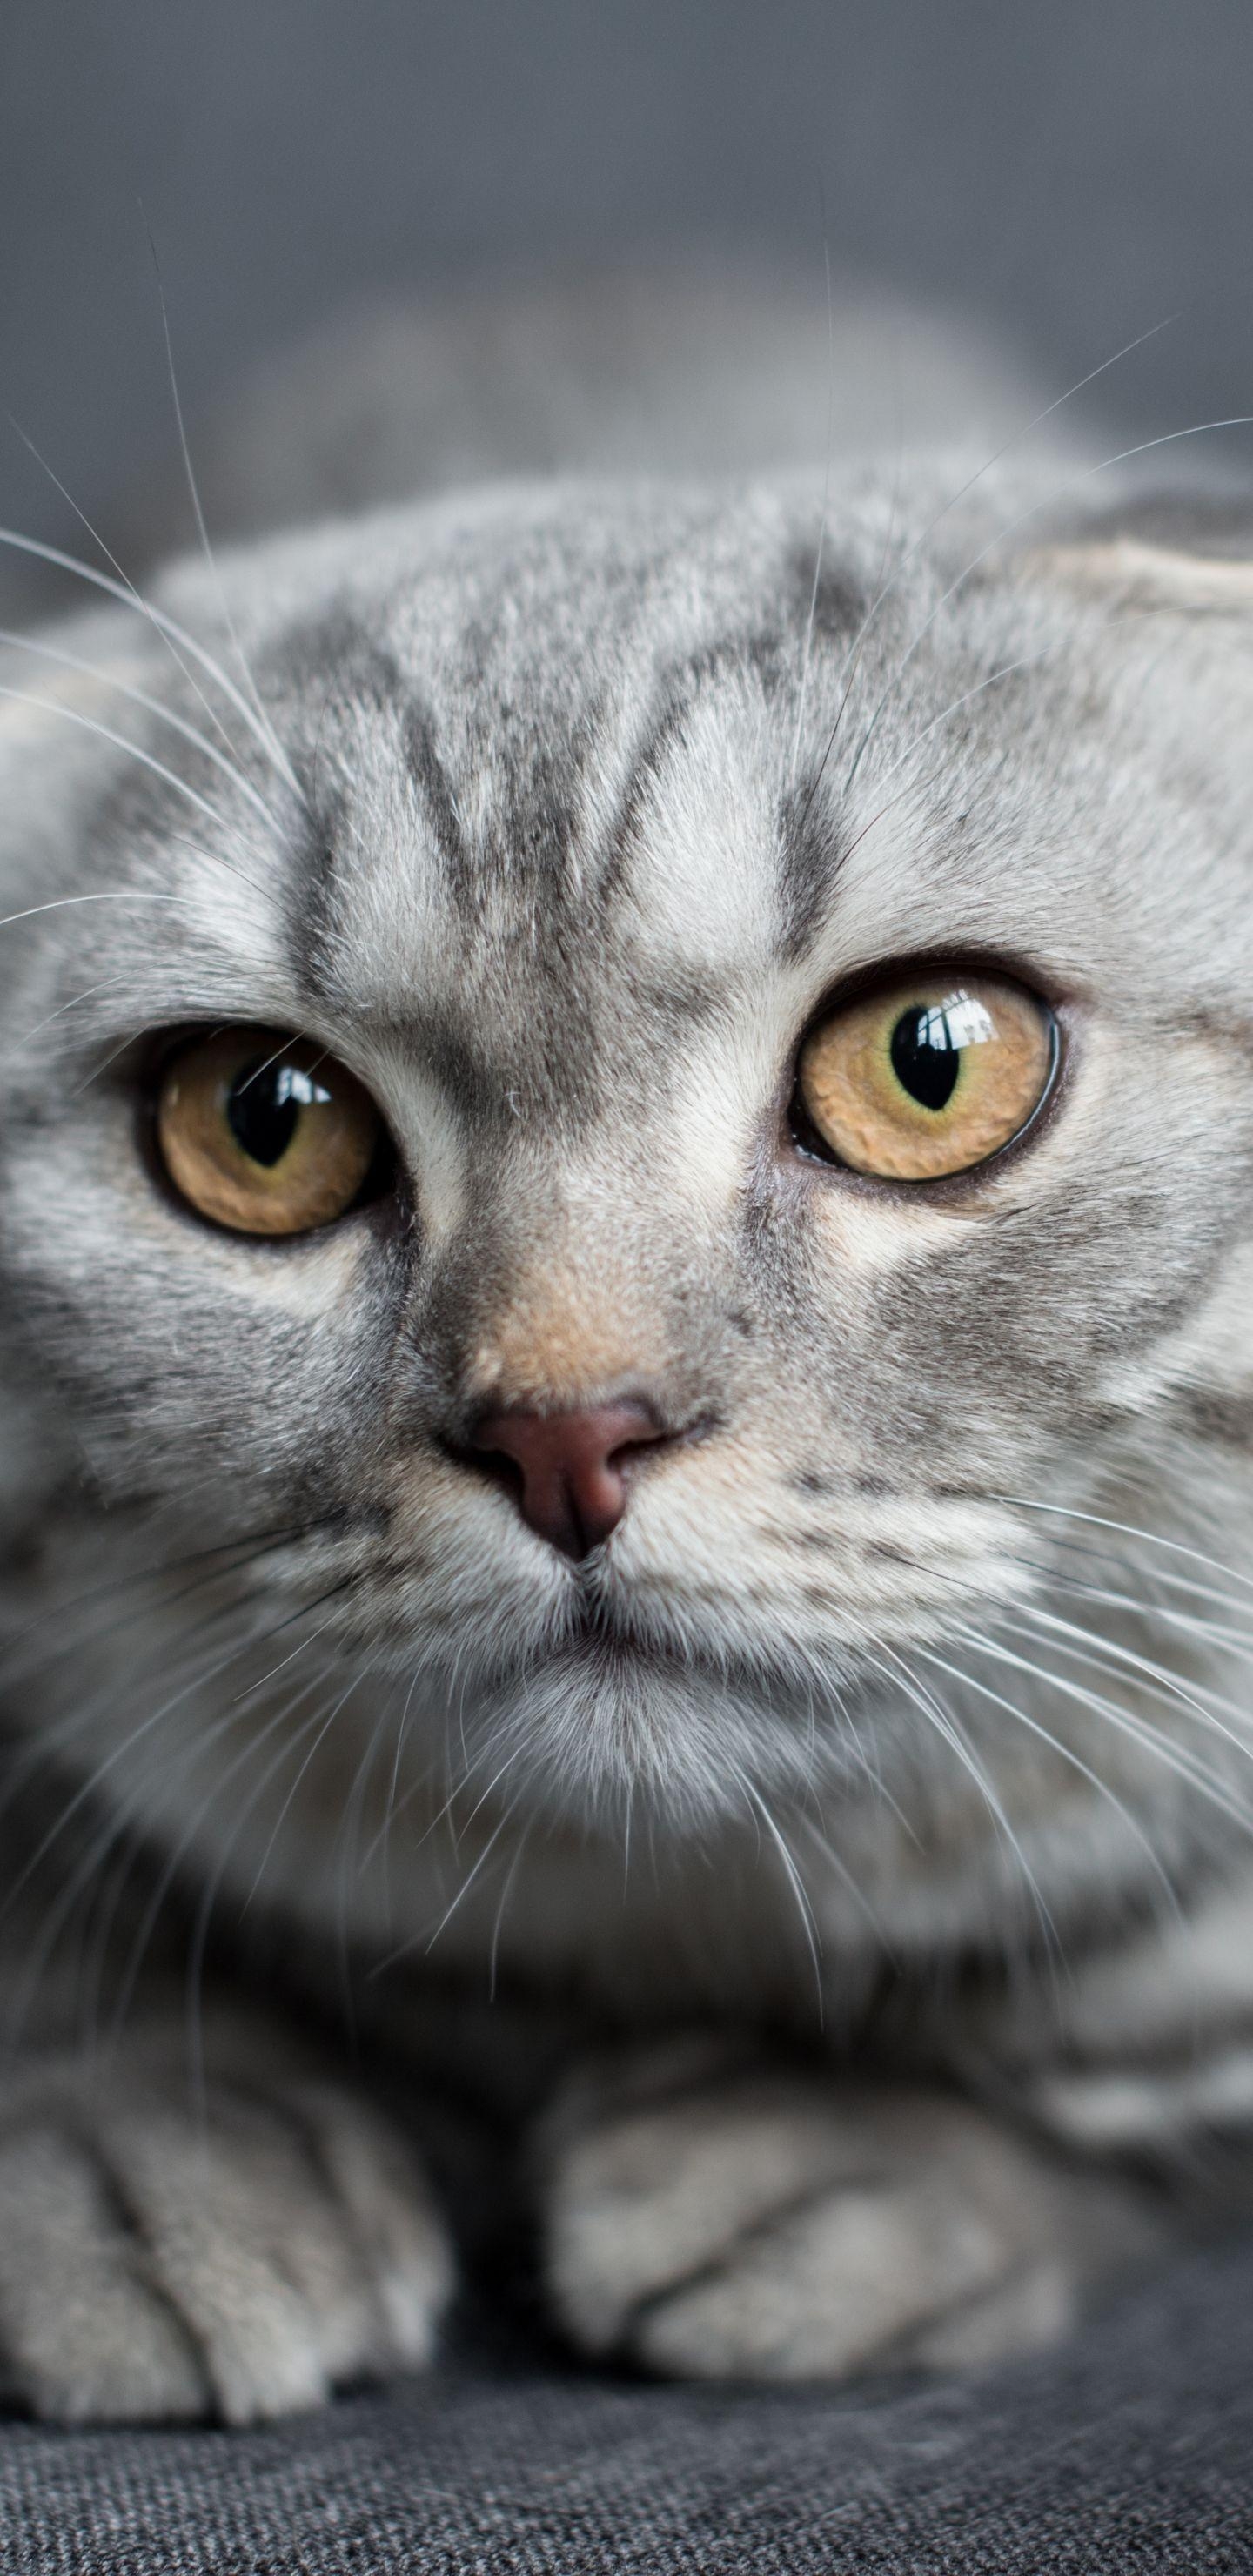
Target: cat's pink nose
x: 568, y: 1471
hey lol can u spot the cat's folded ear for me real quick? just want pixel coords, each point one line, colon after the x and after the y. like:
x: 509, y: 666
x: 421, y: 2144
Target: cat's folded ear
x: 67, y: 712
x: 80, y: 669
x: 1192, y: 553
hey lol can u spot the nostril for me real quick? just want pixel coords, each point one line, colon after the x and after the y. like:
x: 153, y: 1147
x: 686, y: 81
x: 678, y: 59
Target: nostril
x: 505, y: 1470
x: 567, y: 1471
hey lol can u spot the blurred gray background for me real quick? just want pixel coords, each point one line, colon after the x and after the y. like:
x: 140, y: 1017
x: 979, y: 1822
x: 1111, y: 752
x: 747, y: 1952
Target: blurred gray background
x: 1070, y: 173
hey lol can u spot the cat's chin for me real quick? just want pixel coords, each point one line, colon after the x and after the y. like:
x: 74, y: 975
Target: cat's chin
x: 614, y: 1719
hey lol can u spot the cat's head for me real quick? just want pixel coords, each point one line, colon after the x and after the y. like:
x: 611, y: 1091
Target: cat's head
x: 616, y: 1128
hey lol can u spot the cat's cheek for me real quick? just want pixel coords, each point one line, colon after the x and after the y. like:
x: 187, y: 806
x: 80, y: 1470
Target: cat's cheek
x: 87, y: 1206
x: 321, y: 1281
x: 868, y: 1236
x: 1201, y: 1366
x: 163, y: 1331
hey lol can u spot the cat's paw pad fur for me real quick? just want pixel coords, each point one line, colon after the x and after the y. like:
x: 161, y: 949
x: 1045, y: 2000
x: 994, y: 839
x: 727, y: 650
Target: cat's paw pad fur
x: 711, y: 2219
x: 160, y: 2261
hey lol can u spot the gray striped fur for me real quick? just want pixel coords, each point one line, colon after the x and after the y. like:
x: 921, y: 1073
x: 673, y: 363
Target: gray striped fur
x: 897, y: 1745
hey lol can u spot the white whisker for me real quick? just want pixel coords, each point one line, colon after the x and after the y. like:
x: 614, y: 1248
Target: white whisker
x: 268, y: 734
x: 1138, y: 1731
x: 952, y: 1734
x: 1127, y: 1529
x: 822, y: 522
x: 1186, y: 1623
x: 167, y: 627
x: 969, y: 1681
x: 134, y: 596
x: 796, y: 1883
x: 152, y: 706
x: 120, y: 742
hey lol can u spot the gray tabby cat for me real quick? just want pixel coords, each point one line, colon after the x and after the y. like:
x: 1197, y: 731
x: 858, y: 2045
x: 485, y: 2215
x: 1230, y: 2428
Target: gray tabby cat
x: 626, y: 1228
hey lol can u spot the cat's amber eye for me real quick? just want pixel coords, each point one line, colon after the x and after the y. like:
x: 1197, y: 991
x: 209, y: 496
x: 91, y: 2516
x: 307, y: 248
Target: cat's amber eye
x: 264, y: 1133
x: 927, y: 1075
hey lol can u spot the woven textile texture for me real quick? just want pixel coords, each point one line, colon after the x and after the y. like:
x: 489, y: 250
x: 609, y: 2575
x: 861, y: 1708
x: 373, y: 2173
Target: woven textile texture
x: 1131, y: 2450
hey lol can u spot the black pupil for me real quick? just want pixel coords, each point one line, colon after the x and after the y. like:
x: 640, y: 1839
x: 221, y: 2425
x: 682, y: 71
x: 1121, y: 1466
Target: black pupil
x: 263, y: 1107
x: 924, y: 1058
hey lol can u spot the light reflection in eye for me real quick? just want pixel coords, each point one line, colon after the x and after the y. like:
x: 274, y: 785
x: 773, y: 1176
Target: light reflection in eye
x: 292, y: 1083
x: 961, y: 1021
x: 926, y: 1075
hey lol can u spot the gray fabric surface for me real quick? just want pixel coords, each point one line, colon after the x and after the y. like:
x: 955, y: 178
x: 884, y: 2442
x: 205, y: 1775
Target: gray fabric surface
x: 1130, y: 2450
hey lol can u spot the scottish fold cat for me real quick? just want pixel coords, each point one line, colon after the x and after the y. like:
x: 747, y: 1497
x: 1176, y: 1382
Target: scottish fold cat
x: 626, y: 1326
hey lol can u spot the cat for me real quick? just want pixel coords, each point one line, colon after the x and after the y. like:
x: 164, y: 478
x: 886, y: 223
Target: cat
x: 626, y: 1247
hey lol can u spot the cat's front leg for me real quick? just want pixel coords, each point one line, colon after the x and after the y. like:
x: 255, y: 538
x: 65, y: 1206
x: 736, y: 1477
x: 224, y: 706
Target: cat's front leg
x: 235, y: 2255
x: 709, y: 2215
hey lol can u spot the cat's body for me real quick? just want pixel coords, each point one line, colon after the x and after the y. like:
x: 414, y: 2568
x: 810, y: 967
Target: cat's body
x: 893, y: 1721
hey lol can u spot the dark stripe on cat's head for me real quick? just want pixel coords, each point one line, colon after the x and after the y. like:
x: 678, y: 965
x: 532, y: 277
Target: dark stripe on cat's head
x: 811, y: 855
x: 430, y: 777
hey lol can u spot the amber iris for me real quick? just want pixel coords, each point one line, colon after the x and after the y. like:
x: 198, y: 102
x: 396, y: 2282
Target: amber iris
x: 928, y: 1074
x: 263, y: 1133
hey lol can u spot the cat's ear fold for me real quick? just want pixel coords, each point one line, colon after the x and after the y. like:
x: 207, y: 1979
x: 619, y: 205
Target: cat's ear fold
x: 64, y: 708
x: 80, y: 670
x: 1191, y: 553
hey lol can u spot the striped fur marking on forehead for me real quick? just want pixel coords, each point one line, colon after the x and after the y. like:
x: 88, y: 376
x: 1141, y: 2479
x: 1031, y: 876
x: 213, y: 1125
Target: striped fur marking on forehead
x: 511, y: 655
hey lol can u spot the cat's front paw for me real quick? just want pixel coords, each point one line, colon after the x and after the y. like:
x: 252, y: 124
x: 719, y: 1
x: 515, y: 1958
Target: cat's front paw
x: 711, y: 2218
x: 160, y: 2260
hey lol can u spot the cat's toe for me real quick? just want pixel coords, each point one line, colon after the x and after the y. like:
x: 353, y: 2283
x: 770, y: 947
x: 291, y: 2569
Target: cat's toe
x: 710, y: 2222
x: 858, y: 2278
x: 158, y: 2264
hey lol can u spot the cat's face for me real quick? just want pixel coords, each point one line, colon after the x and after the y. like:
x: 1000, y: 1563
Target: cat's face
x: 553, y: 850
